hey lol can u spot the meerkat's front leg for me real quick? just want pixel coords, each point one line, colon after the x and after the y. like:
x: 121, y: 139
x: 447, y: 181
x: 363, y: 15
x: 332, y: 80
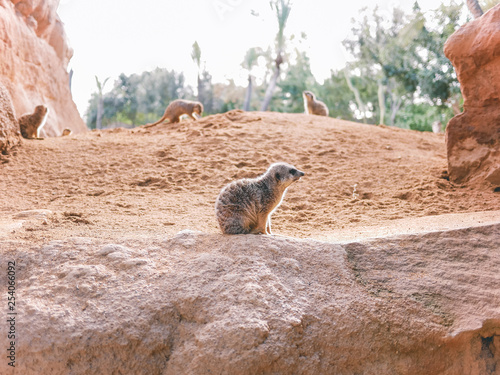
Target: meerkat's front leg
x: 268, y: 225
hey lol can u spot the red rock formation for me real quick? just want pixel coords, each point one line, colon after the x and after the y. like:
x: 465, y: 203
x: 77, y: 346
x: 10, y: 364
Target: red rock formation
x: 34, y: 56
x: 473, y: 137
x: 9, y: 128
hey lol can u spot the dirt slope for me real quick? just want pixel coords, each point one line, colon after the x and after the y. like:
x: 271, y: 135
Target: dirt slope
x: 149, y: 183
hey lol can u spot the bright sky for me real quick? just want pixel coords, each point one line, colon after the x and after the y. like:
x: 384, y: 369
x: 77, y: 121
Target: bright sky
x: 110, y: 37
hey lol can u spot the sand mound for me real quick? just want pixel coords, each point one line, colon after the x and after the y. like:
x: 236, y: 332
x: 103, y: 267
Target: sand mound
x: 146, y: 183
x: 108, y: 283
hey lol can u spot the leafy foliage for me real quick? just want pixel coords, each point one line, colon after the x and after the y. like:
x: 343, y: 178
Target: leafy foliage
x: 398, y: 76
x: 138, y: 99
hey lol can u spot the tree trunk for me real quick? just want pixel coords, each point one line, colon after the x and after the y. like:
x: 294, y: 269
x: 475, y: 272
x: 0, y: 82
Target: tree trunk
x: 70, y: 78
x: 200, y: 90
x: 381, y: 102
x: 100, y: 112
x: 272, y: 82
x: 270, y: 89
x: 396, y: 104
x: 474, y: 8
x: 355, y: 91
x: 248, y: 96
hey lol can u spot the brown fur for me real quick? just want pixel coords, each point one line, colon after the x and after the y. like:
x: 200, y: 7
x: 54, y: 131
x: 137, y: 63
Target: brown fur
x: 313, y: 106
x: 66, y: 132
x: 178, y: 108
x: 245, y: 206
x: 31, y: 124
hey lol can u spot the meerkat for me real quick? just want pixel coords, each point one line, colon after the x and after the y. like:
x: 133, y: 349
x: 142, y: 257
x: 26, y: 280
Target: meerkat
x: 31, y: 123
x: 245, y: 206
x: 66, y: 132
x: 313, y: 106
x: 178, y: 108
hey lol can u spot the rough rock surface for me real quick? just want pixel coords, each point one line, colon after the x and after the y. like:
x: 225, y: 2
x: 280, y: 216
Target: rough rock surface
x: 35, y: 55
x: 473, y: 137
x: 200, y: 303
x: 9, y: 128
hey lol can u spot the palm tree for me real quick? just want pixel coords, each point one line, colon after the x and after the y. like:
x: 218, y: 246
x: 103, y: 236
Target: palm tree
x: 282, y: 9
x: 100, y: 102
x: 249, y: 62
x: 196, y: 56
x: 474, y: 8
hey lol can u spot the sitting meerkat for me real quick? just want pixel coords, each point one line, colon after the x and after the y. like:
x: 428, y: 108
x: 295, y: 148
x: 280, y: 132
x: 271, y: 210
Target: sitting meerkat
x: 30, y: 124
x: 313, y: 106
x: 245, y: 206
x: 178, y: 108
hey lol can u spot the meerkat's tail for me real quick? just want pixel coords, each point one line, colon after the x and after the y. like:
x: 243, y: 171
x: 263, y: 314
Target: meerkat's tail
x: 157, y: 122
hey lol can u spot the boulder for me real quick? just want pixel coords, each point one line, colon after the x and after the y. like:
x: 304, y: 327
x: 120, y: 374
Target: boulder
x: 35, y: 55
x: 473, y: 137
x: 201, y: 303
x: 9, y: 127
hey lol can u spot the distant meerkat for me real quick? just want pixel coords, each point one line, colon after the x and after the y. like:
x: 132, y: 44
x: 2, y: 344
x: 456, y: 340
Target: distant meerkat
x: 245, y: 206
x: 31, y: 124
x: 66, y: 132
x: 178, y: 108
x: 313, y: 106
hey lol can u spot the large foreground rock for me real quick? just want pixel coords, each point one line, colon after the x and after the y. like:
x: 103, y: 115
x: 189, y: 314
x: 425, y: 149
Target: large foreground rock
x: 212, y: 304
x: 473, y: 137
x: 34, y: 56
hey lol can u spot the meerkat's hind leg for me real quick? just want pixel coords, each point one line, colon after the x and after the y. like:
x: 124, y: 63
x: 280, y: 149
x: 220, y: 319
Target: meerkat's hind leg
x: 233, y: 226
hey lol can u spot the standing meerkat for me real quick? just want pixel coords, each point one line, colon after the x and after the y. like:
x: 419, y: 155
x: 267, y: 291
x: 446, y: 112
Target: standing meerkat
x: 30, y: 124
x: 178, y: 108
x: 313, y: 106
x: 245, y: 206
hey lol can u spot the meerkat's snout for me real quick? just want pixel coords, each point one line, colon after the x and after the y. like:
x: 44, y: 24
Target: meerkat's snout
x: 296, y: 174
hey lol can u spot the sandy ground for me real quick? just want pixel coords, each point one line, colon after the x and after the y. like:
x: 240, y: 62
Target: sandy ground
x: 151, y: 183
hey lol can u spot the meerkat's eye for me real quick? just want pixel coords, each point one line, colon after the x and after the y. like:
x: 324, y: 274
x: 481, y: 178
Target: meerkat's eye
x: 293, y: 171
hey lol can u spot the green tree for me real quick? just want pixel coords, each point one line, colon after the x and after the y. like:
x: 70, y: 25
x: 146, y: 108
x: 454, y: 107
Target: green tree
x: 196, y: 56
x: 387, y: 54
x: 337, y: 96
x: 250, y: 60
x: 404, y: 60
x: 282, y: 9
x: 298, y: 78
x: 100, y: 101
x: 138, y: 98
x: 436, y: 77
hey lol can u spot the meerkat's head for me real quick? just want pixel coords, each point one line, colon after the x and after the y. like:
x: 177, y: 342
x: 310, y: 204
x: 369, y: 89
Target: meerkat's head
x: 284, y: 174
x: 197, y: 110
x: 308, y: 95
x: 41, y: 109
